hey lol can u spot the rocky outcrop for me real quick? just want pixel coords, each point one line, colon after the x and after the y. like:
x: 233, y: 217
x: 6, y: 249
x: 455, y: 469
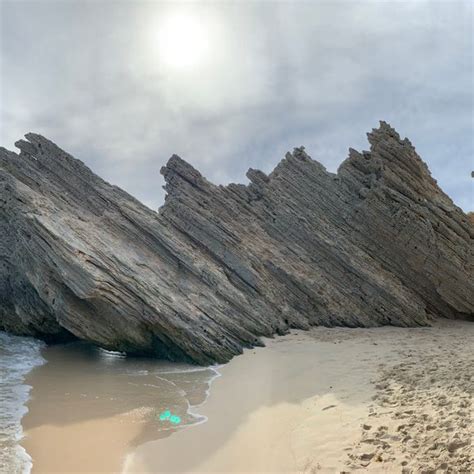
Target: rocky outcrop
x: 220, y: 266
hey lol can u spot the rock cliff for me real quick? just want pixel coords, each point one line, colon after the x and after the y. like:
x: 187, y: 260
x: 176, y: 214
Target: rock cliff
x: 220, y: 266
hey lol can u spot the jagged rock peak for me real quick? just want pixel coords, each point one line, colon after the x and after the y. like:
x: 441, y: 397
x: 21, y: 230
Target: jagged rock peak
x: 179, y: 173
x: 221, y: 266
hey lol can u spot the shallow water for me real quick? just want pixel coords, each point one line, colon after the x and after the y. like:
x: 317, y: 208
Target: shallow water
x: 18, y: 356
x: 80, y: 383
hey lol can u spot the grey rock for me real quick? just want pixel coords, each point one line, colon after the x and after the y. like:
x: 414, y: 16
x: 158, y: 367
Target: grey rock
x: 218, y: 267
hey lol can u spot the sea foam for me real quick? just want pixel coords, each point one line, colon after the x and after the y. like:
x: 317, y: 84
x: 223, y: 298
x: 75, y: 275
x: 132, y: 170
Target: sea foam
x: 18, y: 356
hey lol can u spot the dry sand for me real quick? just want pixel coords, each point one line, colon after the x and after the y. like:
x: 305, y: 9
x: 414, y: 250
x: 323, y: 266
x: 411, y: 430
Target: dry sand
x: 327, y: 400
x: 334, y: 400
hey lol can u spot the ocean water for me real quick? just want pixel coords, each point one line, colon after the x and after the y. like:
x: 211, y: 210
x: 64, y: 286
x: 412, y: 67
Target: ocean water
x: 76, y: 382
x: 18, y: 356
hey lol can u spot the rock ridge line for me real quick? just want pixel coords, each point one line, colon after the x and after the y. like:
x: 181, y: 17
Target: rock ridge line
x: 218, y: 267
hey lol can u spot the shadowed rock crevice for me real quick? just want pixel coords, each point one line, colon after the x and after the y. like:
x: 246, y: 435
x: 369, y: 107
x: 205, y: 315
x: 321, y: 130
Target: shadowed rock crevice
x: 220, y: 266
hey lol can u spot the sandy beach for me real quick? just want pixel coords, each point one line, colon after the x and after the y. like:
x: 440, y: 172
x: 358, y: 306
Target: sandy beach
x: 88, y: 408
x: 327, y: 400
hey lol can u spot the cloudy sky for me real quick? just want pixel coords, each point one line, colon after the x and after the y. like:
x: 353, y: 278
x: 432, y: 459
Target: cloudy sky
x: 233, y: 85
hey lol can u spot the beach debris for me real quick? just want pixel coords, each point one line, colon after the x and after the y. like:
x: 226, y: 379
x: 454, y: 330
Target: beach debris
x: 167, y: 415
x: 175, y: 419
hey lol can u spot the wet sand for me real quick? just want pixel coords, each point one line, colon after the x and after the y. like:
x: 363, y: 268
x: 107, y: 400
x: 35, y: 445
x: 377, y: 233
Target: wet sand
x: 334, y: 400
x: 88, y: 408
x: 327, y: 400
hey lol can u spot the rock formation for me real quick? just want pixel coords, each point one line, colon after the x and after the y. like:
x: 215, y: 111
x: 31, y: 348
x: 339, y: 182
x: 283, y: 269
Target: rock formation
x: 220, y: 266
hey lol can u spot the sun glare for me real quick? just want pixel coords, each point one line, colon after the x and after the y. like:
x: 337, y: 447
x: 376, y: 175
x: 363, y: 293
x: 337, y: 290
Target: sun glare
x: 183, y: 41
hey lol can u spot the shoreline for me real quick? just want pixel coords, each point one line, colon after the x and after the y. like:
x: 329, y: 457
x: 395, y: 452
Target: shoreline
x: 84, y: 397
x: 323, y: 400
x: 332, y: 400
x: 272, y: 410
x: 18, y: 356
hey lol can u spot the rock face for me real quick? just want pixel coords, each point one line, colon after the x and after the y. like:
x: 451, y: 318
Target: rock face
x: 220, y: 266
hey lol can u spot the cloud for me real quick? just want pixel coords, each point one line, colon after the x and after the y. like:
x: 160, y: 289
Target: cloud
x: 87, y: 75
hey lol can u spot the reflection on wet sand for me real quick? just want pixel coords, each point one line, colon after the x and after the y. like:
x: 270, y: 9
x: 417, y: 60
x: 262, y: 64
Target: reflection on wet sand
x: 92, y: 405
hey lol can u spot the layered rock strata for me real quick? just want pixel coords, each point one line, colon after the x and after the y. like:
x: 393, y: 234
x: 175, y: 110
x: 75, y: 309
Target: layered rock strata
x: 218, y: 267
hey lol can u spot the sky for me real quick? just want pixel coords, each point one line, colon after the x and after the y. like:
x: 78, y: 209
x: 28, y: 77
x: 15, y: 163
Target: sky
x: 233, y: 85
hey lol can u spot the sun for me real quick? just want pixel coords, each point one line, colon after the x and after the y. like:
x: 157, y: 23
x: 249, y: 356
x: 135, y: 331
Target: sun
x: 182, y: 41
